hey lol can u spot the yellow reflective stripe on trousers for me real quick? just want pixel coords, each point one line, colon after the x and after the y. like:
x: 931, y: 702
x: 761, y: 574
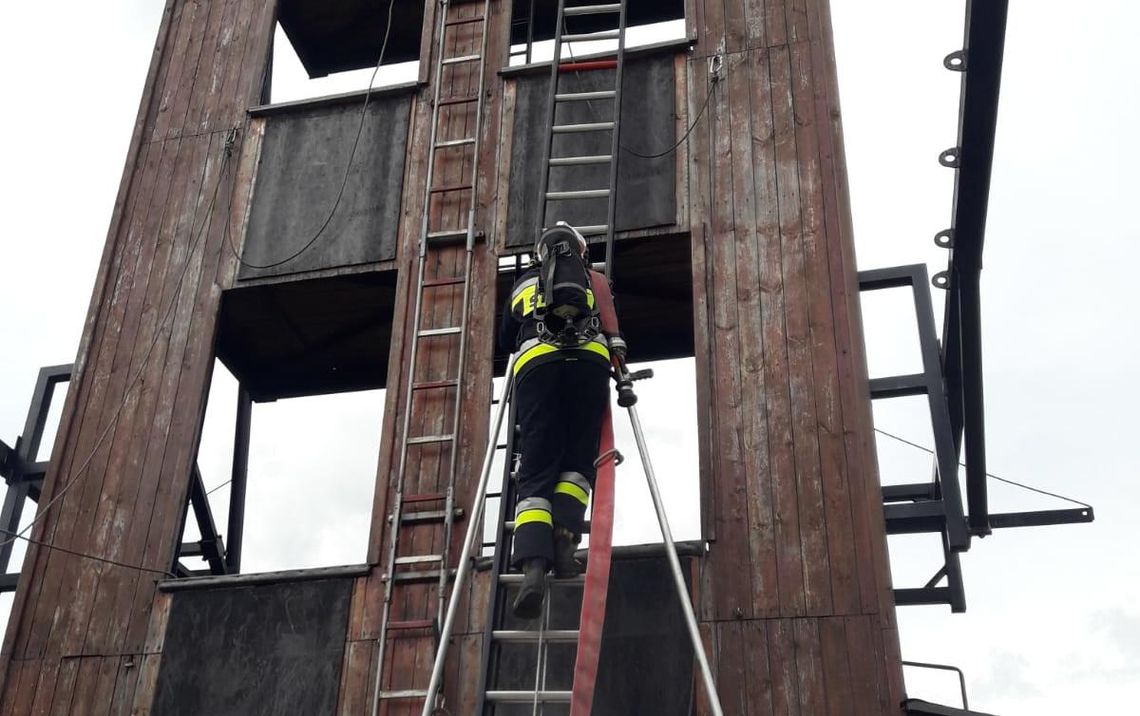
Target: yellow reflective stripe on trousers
x: 538, y: 348
x: 528, y: 516
x: 569, y: 488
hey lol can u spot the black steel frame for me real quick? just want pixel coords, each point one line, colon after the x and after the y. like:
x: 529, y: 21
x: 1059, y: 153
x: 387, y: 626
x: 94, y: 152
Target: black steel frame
x: 980, y: 62
x: 19, y: 468
x: 220, y: 557
x: 935, y: 506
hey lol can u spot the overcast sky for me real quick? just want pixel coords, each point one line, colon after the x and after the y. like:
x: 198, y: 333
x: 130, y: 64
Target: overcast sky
x: 1053, y: 625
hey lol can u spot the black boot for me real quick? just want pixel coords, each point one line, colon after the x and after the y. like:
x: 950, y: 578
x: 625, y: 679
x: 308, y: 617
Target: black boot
x: 528, y: 602
x: 565, y: 544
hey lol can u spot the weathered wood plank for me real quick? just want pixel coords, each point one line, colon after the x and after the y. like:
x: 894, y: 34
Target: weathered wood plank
x: 833, y: 642
x: 809, y: 666
x: 783, y: 668
x: 63, y: 692
x: 758, y: 687
x: 759, y: 519
x: 813, y: 535
x: 829, y: 413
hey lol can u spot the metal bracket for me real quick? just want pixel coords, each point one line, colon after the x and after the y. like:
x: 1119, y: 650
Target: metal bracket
x: 950, y: 158
x: 955, y: 61
x: 944, y: 239
x: 941, y: 280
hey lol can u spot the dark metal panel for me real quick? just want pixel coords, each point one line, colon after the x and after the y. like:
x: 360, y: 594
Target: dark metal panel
x: 646, y: 187
x: 646, y: 665
x: 254, y: 650
x: 1042, y: 518
x: 307, y: 337
x: 300, y: 174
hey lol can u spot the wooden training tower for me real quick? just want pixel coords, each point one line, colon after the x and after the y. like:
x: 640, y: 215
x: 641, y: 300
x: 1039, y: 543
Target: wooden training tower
x: 734, y: 248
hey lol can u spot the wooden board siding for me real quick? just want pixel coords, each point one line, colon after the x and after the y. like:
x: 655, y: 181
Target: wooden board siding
x: 78, y: 636
x: 795, y: 594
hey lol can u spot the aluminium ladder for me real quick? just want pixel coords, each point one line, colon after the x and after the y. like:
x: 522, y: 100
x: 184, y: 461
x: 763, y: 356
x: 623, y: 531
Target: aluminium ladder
x: 593, y: 149
x: 403, y: 570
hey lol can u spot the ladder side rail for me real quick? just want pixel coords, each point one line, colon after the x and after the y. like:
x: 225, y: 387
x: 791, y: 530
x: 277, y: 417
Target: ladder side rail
x: 465, y: 311
x: 500, y: 564
x: 397, y: 512
x: 474, y: 528
x: 551, y: 108
x: 675, y: 566
x: 615, y: 152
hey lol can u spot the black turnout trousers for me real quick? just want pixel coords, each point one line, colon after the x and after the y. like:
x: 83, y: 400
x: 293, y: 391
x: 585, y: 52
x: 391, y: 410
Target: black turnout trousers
x: 559, y: 407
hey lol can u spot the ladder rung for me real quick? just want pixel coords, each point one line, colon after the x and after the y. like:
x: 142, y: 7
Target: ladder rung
x: 557, y: 636
x: 580, y: 194
x: 448, y: 235
x: 458, y: 100
x: 592, y: 36
x: 420, y: 559
x: 591, y: 9
x: 411, y: 624
x: 591, y: 65
x: 455, y: 143
x: 425, y: 497
x: 579, y: 161
x: 432, y: 332
x: 492, y: 495
x: 556, y: 581
x: 407, y: 694
x: 450, y: 281
x: 425, y: 439
x: 593, y: 229
x: 434, y: 384
x: 587, y: 127
x: 526, y: 697
x: 584, y: 96
x: 453, y: 187
x: 428, y: 576
x: 461, y: 59
x: 464, y: 21
x: 413, y: 518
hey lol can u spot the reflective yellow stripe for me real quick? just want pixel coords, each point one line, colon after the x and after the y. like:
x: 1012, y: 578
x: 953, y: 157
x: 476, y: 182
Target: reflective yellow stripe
x: 527, y: 516
x: 569, y: 488
x: 541, y: 349
x: 529, y: 300
x: 590, y: 299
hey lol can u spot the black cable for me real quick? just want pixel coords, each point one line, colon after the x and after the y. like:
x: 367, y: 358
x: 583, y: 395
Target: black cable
x: 78, y: 474
x: 347, y: 168
x: 219, y: 487
x: 57, y: 548
x: 999, y: 479
x: 708, y: 97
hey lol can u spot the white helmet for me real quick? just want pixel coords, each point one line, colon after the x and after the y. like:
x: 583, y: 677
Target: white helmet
x: 562, y: 227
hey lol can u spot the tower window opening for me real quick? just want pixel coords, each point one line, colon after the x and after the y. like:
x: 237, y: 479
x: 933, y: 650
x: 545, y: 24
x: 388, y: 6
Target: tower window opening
x: 322, y: 49
x: 648, y: 22
x: 309, y: 479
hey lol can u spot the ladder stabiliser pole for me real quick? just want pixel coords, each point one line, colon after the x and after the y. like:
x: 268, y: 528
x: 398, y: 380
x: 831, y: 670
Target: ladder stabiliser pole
x: 675, y: 565
x: 474, y: 525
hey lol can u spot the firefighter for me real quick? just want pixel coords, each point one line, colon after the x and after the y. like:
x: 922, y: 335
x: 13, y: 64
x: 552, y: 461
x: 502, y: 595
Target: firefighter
x: 560, y: 395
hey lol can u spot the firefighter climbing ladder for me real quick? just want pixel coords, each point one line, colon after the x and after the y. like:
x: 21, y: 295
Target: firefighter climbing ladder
x: 595, y: 582
x: 434, y: 567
